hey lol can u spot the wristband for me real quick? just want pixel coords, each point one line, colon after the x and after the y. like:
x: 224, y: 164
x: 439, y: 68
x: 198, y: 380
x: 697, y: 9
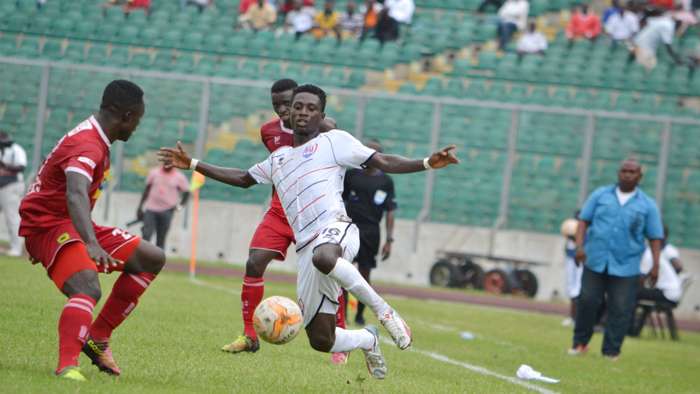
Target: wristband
x: 193, y: 164
x: 426, y: 163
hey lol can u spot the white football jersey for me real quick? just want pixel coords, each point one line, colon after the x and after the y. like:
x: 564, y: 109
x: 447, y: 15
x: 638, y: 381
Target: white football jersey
x: 309, y: 180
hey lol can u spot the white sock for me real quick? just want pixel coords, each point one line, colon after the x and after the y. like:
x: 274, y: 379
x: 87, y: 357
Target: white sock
x: 349, y: 277
x: 348, y: 340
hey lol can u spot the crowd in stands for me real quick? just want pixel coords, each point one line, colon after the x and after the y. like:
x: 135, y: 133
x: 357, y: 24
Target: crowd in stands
x: 642, y: 26
x: 378, y: 19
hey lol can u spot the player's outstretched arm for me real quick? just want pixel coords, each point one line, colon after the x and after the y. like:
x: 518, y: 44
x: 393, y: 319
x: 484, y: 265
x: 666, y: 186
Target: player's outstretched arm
x: 400, y: 165
x: 178, y: 158
x: 77, y: 186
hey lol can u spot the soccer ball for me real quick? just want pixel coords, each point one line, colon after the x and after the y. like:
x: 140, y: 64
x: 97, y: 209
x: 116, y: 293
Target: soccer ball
x: 277, y: 320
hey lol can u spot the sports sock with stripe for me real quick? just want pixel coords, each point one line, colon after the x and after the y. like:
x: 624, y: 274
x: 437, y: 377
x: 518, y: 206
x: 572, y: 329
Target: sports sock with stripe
x: 251, y: 294
x: 348, y: 340
x: 73, y: 327
x: 123, y: 299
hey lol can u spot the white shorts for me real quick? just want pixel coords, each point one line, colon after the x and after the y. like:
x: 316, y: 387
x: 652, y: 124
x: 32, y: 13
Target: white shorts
x: 316, y: 291
x: 573, y: 278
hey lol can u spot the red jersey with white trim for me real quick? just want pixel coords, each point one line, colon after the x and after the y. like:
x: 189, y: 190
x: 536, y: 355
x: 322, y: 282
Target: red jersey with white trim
x: 274, y: 136
x: 83, y: 150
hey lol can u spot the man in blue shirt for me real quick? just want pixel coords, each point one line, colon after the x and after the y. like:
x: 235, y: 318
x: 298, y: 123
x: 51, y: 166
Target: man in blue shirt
x: 614, y: 222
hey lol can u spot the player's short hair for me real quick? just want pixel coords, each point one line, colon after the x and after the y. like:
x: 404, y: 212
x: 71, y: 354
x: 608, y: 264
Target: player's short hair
x: 313, y: 89
x: 121, y: 95
x: 282, y: 85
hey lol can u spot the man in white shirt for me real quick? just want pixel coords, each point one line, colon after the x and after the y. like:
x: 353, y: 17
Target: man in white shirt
x: 512, y: 16
x: 13, y: 160
x: 621, y: 24
x: 300, y: 19
x: 658, y: 30
x: 401, y: 10
x: 532, y: 41
x: 669, y: 285
x: 309, y: 179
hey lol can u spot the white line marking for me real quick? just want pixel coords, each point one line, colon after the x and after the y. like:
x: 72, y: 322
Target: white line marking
x: 475, y: 368
x: 214, y: 287
x: 433, y: 355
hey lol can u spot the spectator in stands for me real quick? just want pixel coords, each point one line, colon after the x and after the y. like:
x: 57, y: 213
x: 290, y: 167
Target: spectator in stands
x: 327, y: 21
x: 686, y: 16
x: 260, y: 16
x: 286, y: 6
x: 300, y: 19
x: 495, y: 4
x: 394, y: 13
x: 584, y: 23
x: 130, y: 5
x: 615, y: 7
x: 663, y: 4
x: 13, y: 161
x: 658, y: 29
x: 613, y: 224
x: 370, y: 13
x: 244, y: 5
x: 512, y: 16
x: 167, y: 190
x: 352, y: 21
x: 532, y: 41
x: 200, y: 4
x: 621, y: 24
x: 39, y: 3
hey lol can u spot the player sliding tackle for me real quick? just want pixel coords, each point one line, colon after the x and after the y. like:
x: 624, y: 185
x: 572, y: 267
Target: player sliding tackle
x: 308, y: 177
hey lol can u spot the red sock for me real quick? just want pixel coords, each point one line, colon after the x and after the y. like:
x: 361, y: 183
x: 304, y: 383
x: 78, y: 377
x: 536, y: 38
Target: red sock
x: 125, y: 295
x: 251, y: 295
x: 73, y: 328
x: 340, y: 315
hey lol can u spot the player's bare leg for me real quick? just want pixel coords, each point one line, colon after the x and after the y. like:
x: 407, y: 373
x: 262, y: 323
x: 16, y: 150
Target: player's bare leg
x: 83, y: 292
x: 327, y: 259
x: 140, y: 270
x: 325, y: 336
x: 252, y: 291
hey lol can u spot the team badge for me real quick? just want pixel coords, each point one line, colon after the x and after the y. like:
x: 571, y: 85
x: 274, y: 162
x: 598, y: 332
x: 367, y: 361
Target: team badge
x: 63, y: 238
x: 309, y: 151
x: 379, y: 197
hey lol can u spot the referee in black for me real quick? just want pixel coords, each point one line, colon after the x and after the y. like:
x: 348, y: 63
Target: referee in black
x: 368, y: 193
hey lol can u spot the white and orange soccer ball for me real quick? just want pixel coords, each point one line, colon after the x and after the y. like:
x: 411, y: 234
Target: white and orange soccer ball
x: 277, y: 320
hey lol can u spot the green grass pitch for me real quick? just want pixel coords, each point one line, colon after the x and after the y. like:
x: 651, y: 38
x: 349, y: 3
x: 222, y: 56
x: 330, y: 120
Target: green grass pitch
x: 171, y: 343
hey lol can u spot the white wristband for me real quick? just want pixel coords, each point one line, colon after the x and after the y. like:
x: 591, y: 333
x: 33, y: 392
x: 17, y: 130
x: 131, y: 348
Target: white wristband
x: 426, y: 163
x: 193, y: 164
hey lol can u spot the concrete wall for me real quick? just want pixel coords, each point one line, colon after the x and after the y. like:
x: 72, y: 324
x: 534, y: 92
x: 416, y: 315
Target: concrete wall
x: 225, y: 230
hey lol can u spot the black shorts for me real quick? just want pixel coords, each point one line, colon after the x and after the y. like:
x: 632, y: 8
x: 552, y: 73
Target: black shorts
x: 369, y: 247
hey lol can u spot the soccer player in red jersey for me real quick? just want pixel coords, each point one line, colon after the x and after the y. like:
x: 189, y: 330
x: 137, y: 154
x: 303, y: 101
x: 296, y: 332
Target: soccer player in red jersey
x: 273, y: 235
x: 60, y: 234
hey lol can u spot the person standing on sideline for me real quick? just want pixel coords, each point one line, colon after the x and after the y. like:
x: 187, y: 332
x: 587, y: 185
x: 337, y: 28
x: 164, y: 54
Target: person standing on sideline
x: 13, y: 160
x: 167, y: 190
x: 573, y: 270
x: 368, y: 193
x: 612, y: 227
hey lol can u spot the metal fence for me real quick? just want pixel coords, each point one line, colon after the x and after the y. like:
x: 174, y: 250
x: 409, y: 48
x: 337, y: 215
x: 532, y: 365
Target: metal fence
x: 525, y: 166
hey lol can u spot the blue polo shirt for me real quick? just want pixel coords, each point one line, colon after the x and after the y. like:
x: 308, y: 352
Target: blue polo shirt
x: 615, y: 236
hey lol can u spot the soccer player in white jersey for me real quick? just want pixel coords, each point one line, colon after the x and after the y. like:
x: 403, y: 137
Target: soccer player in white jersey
x: 309, y: 179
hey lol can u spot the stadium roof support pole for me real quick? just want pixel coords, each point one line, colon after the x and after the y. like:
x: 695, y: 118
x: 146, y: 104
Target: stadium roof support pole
x: 360, y: 117
x: 663, y: 164
x: 116, y: 177
x: 586, y: 154
x: 429, y: 175
x: 507, y: 177
x: 203, y: 120
x: 40, y: 117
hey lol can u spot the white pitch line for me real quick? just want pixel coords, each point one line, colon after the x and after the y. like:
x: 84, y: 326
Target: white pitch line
x: 475, y: 368
x: 433, y: 355
x: 215, y: 287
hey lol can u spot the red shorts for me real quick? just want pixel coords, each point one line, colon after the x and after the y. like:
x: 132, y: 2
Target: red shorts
x: 273, y: 233
x: 62, y: 252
